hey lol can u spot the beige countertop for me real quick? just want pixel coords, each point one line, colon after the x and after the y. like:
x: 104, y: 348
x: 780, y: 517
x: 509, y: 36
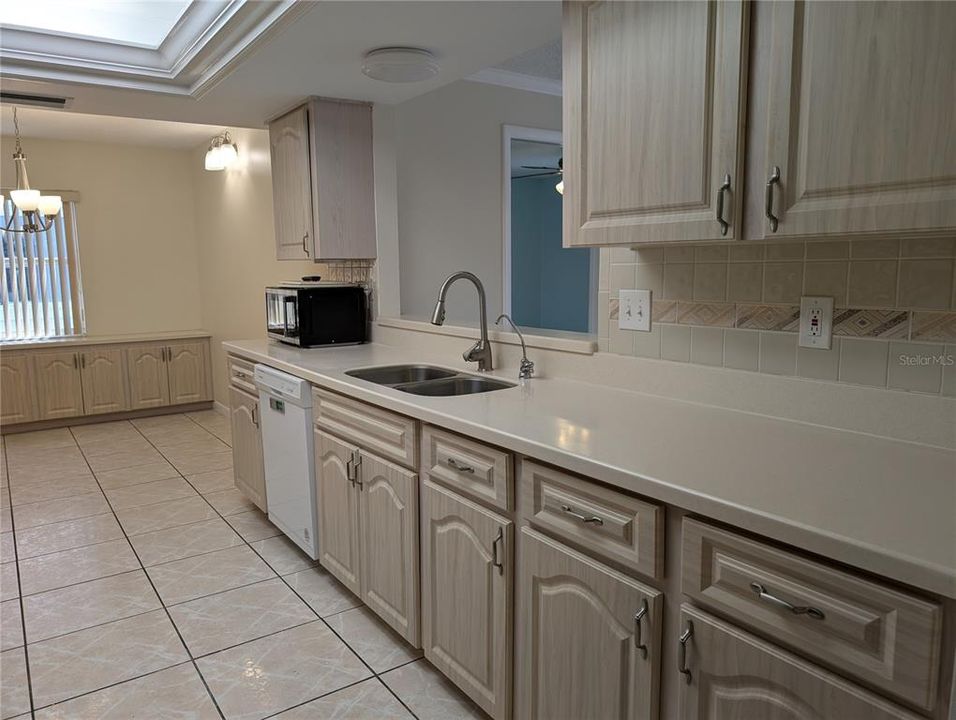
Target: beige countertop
x: 103, y: 340
x: 885, y: 506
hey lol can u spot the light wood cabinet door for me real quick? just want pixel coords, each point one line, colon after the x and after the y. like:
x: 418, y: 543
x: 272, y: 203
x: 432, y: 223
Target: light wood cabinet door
x: 18, y: 400
x: 247, y: 467
x: 467, y: 590
x: 734, y: 675
x: 59, y: 386
x: 292, y: 185
x: 589, y: 637
x: 859, y: 118
x: 104, y: 375
x: 388, y: 510
x: 654, y: 102
x: 337, y: 496
x: 148, y: 381
x: 187, y: 367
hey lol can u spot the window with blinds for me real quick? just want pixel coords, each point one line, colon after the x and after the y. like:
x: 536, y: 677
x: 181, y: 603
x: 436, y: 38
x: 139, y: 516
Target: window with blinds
x: 40, y: 287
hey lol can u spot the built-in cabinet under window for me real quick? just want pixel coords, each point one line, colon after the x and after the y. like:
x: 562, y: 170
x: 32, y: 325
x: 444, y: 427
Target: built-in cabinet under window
x: 51, y: 383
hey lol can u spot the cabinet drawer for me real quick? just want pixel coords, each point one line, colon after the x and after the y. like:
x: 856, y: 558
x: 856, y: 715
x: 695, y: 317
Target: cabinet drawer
x: 241, y: 373
x: 387, y: 434
x: 865, y: 629
x: 613, y: 525
x: 474, y: 469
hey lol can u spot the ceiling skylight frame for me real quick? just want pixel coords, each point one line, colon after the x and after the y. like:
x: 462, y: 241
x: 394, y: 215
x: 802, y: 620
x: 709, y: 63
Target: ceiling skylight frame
x: 200, y: 50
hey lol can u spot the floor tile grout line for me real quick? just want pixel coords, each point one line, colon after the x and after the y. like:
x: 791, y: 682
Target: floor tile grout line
x: 16, y: 560
x: 331, y: 629
x: 82, y: 582
x: 100, y: 624
x: 169, y: 617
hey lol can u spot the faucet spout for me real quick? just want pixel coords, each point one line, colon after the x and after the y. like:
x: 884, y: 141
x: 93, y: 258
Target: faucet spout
x: 480, y: 352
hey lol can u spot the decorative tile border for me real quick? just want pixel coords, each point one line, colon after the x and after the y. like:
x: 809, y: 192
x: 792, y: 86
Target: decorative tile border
x: 782, y: 318
x: 852, y: 322
x: 934, y: 326
x: 707, y: 314
x: 664, y: 311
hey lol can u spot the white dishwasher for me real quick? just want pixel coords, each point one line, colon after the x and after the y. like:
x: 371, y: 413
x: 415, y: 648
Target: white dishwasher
x: 285, y: 408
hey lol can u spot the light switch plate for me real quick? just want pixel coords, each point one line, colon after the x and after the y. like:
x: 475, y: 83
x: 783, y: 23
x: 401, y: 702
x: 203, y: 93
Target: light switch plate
x: 816, y: 322
x: 634, y: 312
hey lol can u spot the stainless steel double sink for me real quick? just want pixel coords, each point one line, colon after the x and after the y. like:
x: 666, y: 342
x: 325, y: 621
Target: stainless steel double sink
x: 428, y: 380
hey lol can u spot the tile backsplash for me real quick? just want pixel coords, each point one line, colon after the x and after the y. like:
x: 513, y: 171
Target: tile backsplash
x: 348, y: 270
x: 738, y: 306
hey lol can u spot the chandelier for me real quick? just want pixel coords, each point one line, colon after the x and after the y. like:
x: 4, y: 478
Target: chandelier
x: 38, y: 211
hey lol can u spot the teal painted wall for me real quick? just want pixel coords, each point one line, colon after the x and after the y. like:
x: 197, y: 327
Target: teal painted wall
x: 550, y: 285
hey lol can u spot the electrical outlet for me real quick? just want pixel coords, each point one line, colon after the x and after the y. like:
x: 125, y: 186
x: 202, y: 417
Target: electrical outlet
x: 634, y: 312
x: 816, y: 322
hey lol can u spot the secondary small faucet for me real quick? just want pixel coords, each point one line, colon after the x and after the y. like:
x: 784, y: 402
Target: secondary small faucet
x: 480, y: 352
x: 526, y: 367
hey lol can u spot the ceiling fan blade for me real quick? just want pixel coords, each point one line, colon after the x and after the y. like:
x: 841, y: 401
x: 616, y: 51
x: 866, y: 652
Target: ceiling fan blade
x: 544, y: 174
x: 538, y: 167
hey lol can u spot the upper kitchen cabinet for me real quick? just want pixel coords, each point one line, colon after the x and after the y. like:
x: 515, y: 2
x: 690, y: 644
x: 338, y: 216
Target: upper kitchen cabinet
x: 654, y: 100
x: 856, y: 134
x: 322, y: 183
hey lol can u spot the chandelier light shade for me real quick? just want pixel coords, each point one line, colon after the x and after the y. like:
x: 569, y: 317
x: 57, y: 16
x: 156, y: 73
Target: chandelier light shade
x: 222, y: 152
x: 38, y: 210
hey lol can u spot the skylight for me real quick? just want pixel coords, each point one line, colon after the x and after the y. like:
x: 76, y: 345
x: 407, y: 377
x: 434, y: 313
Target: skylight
x: 142, y: 23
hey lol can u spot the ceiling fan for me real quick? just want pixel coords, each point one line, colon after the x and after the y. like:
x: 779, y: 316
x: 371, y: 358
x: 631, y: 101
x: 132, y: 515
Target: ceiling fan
x: 550, y: 170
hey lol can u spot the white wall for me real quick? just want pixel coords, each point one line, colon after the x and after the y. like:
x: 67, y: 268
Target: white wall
x: 135, y: 221
x: 449, y: 176
x: 237, y: 247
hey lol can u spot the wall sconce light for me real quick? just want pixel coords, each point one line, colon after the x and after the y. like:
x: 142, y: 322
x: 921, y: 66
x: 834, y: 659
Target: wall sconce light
x: 222, y: 152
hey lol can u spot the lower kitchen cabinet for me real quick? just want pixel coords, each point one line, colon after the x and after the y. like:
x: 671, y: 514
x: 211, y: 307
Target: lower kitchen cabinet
x: 338, y: 499
x: 368, y: 530
x: 187, y: 371
x: 18, y: 403
x: 588, y: 637
x: 104, y: 378
x: 388, y: 521
x: 248, y: 468
x: 731, y: 674
x: 148, y: 380
x: 467, y: 591
x: 59, y: 385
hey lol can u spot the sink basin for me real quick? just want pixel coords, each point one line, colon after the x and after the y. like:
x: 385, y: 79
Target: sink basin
x: 428, y: 380
x: 400, y: 374
x: 458, y: 385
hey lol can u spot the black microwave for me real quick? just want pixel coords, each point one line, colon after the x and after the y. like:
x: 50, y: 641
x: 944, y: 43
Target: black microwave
x: 317, y: 314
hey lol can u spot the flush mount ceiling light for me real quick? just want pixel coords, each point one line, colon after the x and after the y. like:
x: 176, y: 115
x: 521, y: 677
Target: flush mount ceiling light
x: 31, y: 203
x: 222, y: 152
x: 400, y: 64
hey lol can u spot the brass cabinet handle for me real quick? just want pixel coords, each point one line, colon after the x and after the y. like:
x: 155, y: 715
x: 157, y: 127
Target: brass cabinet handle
x: 459, y: 466
x: 356, y: 464
x: 495, y: 553
x: 583, y: 518
x: 305, y: 245
x: 255, y: 415
x: 762, y: 594
x: 774, y: 180
x: 682, y: 651
x: 83, y: 360
x: 76, y: 361
x: 638, y: 641
x: 721, y: 191
x: 348, y: 471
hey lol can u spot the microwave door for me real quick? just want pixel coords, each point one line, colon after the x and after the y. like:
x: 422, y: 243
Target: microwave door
x: 291, y: 317
x: 275, y: 314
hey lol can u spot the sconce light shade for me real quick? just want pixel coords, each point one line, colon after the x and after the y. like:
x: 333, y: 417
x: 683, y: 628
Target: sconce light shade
x: 25, y: 200
x: 50, y: 204
x: 222, y: 153
x: 560, y: 187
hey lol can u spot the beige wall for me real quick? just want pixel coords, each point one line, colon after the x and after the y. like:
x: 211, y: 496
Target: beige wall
x: 449, y: 176
x: 137, y: 234
x: 237, y: 247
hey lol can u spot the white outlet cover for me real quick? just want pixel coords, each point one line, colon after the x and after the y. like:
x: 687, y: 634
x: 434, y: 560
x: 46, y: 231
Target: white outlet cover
x: 816, y: 322
x: 634, y: 310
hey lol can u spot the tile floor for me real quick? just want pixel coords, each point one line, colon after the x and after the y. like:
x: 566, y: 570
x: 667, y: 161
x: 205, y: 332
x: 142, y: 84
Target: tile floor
x: 137, y: 582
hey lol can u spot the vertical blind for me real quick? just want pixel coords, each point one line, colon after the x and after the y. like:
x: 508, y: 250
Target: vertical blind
x: 40, y: 285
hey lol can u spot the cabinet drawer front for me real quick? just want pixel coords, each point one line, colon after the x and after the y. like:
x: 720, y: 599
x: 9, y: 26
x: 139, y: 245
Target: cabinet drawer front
x: 865, y: 629
x: 387, y: 434
x: 733, y: 674
x: 476, y: 470
x: 612, y: 524
x: 240, y: 374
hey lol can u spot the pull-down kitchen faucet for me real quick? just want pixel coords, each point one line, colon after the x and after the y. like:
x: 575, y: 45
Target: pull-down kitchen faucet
x: 480, y: 352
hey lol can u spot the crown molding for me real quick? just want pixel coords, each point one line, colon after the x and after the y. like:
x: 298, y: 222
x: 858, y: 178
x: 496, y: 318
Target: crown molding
x: 517, y: 81
x: 203, y: 47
